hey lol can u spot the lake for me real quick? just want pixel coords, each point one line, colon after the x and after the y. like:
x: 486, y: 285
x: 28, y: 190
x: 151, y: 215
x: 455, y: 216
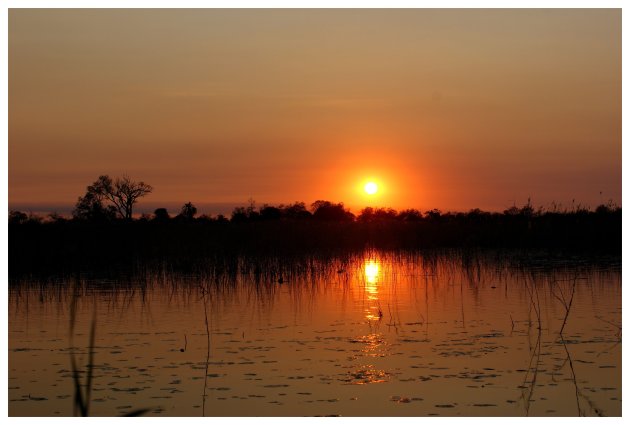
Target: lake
x: 376, y: 334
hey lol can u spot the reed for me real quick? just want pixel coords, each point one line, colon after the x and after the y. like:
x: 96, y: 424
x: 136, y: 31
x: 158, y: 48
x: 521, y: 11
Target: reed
x: 81, y: 398
x: 83, y: 391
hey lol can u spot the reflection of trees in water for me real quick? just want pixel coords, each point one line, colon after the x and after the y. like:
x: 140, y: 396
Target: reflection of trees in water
x: 254, y: 286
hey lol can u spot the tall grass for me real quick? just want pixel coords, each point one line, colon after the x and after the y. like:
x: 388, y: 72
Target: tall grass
x: 83, y: 390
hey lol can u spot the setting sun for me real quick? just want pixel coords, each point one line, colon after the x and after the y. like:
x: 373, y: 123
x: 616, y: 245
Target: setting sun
x: 370, y: 188
x: 343, y: 193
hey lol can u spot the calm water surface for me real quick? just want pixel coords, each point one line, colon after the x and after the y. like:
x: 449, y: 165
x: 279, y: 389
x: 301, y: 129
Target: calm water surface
x: 374, y: 335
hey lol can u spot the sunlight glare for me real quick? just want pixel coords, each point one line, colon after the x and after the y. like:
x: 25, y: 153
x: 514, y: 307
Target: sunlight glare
x: 371, y: 271
x: 370, y: 188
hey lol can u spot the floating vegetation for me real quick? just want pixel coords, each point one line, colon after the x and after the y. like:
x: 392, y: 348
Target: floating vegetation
x: 231, y: 341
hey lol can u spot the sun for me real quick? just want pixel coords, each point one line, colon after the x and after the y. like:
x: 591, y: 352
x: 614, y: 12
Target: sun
x: 370, y: 188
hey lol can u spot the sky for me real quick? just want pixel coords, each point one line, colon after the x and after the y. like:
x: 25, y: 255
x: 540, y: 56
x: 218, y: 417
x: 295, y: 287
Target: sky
x: 451, y: 109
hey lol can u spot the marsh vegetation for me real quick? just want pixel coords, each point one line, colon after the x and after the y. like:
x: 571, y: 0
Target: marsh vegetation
x: 377, y: 333
x: 189, y: 244
x: 290, y: 311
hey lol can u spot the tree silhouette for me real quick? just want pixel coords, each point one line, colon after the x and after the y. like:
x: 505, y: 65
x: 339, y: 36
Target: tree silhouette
x: 326, y: 210
x: 297, y: 211
x: 122, y: 193
x: 188, y: 211
x: 17, y: 217
x: 268, y: 212
x: 161, y: 214
x: 376, y: 214
x: 410, y: 214
x: 434, y: 214
x: 239, y: 214
x: 91, y: 205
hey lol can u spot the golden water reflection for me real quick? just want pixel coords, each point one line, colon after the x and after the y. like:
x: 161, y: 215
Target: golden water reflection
x: 372, y: 274
x: 372, y: 268
x: 373, y: 343
x: 310, y: 340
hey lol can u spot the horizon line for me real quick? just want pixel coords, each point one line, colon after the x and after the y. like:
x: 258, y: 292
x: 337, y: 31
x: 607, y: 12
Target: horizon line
x: 226, y: 207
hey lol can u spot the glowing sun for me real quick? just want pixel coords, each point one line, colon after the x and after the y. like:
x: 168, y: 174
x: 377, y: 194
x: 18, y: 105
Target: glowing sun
x: 370, y: 188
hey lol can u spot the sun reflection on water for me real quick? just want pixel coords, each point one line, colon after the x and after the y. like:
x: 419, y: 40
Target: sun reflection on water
x: 372, y: 270
x: 373, y: 344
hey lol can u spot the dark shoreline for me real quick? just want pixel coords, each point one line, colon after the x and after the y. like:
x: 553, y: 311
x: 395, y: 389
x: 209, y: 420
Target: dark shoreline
x: 65, y: 247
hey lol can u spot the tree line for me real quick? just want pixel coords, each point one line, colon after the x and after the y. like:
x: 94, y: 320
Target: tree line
x: 109, y: 199
x: 104, y: 236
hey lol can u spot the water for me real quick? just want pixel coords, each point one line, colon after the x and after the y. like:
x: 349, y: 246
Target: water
x: 371, y: 335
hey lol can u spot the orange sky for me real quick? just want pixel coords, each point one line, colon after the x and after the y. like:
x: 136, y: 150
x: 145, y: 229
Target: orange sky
x: 450, y: 109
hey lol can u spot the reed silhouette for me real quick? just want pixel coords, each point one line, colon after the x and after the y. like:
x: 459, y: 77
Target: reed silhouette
x: 83, y: 390
x: 543, y: 286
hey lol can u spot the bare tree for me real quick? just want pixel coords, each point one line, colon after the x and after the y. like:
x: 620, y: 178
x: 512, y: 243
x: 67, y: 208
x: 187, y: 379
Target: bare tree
x: 123, y: 193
